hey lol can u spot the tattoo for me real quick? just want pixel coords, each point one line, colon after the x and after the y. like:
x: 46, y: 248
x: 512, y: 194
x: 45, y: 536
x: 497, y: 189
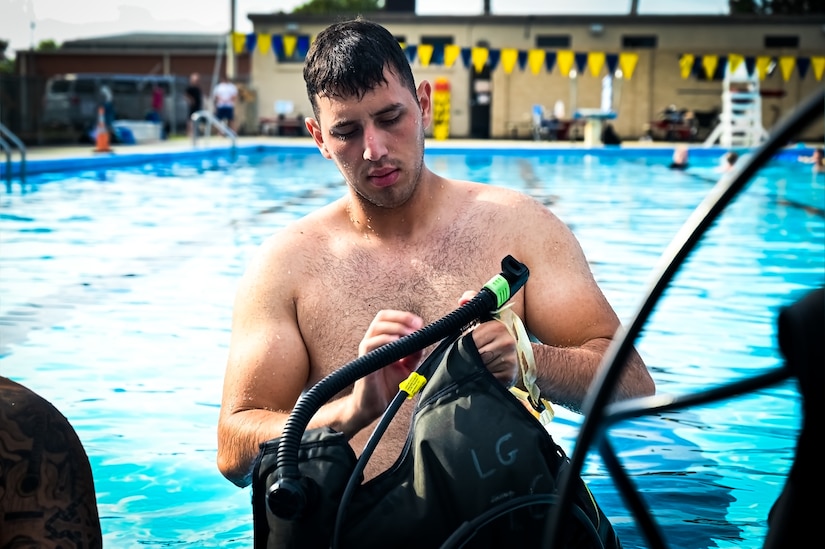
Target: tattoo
x: 47, y: 495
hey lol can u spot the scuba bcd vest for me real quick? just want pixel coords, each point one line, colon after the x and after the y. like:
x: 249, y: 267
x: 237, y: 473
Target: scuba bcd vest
x: 478, y: 470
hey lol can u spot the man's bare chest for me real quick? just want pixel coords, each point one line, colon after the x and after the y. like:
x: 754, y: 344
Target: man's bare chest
x: 338, y: 304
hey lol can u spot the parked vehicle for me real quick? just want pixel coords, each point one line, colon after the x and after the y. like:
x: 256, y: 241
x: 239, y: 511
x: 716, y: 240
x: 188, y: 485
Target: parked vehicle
x: 71, y: 101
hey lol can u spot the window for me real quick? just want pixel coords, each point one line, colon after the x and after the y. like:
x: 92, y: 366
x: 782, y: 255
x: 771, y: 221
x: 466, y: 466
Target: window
x: 438, y: 43
x: 437, y: 40
x: 83, y: 85
x: 639, y: 41
x: 553, y: 41
x: 781, y: 41
x: 60, y: 86
x: 299, y: 53
x: 124, y: 86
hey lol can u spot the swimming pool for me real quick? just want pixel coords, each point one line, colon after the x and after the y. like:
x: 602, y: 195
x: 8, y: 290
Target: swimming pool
x: 116, y: 294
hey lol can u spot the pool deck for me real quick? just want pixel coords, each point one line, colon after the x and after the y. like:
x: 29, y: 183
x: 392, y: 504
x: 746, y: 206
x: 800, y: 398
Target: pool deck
x: 50, y: 158
x: 181, y: 144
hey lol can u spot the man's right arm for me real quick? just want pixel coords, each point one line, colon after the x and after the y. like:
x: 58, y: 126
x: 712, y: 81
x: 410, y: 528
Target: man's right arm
x: 267, y: 369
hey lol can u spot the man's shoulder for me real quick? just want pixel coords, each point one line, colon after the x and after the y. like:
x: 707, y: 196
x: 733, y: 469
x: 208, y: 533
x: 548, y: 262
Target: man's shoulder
x: 502, y: 196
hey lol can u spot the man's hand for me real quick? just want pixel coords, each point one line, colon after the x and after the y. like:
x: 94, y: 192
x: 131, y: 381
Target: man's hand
x: 373, y: 393
x: 497, y: 348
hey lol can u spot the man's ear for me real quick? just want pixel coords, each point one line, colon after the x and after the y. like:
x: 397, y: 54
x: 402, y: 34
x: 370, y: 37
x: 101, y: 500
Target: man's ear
x: 314, y: 130
x: 425, y: 100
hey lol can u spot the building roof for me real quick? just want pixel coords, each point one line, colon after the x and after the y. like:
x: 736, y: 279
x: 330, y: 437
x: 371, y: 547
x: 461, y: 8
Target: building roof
x: 561, y: 20
x: 148, y: 41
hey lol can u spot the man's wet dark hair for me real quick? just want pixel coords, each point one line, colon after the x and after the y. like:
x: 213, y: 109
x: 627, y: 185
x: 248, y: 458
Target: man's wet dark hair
x: 347, y: 59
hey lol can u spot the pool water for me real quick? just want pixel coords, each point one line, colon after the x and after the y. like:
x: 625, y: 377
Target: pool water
x: 117, y: 287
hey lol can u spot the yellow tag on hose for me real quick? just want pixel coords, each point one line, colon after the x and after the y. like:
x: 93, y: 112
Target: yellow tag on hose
x: 414, y: 383
x: 527, y: 362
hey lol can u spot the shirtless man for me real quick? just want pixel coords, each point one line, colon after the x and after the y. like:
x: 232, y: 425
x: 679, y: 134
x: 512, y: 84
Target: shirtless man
x: 398, y: 251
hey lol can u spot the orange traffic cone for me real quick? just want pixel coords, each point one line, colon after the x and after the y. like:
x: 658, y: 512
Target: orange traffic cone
x: 102, y: 133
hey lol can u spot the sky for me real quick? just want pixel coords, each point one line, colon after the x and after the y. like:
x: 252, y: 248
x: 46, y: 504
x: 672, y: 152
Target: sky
x: 24, y: 23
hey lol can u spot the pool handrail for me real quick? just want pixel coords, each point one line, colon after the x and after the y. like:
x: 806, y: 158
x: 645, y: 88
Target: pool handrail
x: 598, y: 412
x: 197, y: 116
x: 8, y: 134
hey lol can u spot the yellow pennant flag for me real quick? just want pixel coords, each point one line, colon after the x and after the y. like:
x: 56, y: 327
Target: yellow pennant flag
x: 762, y: 64
x: 290, y: 43
x: 627, y: 62
x: 734, y: 60
x: 425, y: 54
x: 509, y: 57
x: 595, y: 60
x: 564, y: 61
x: 818, y: 64
x: 239, y: 42
x: 686, y: 64
x: 264, y: 43
x: 709, y: 63
x: 479, y: 56
x: 786, y: 65
x: 535, y: 60
x: 451, y: 53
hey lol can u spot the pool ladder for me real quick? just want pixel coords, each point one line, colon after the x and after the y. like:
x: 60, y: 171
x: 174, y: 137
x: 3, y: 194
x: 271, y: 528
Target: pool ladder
x: 6, y: 134
x: 211, y: 120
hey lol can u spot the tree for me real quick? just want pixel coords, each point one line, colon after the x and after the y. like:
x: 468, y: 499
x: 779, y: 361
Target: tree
x: 47, y: 45
x: 6, y: 65
x: 745, y: 6
x: 323, y: 7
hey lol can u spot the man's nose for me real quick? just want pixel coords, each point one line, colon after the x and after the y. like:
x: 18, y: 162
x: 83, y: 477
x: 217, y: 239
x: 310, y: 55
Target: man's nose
x: 375, y: 146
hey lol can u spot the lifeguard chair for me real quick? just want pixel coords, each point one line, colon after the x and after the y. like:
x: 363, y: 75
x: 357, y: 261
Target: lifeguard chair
x: 740, y: 122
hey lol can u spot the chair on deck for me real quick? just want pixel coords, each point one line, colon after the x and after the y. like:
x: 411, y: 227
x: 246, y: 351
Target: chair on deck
x: 553, y: 128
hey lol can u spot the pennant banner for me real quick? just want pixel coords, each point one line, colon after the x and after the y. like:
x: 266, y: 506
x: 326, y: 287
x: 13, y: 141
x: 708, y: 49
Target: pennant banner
x: 736, y: 61
x: 239, y: 42
x: 509, y: 58
x: 425, y: 54
x: 451, y: 53
x: 595, y: 60
x: 709, y: 63
x: 290, y: 43
x: 705, y: 66
x: 627, y: 62
x: 493, y: 59
x: 550, y: 61
x: 787, y: 65
x: 479, y: 57
x: 763, y: 62
x: 535, y: 59
x: 565, y: 59
x: 686, y: 64
x: 581, y: 61
x: 818, y: 63
x: 612, y: 61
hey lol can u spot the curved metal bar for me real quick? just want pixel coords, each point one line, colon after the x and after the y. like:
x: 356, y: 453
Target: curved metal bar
x: 211, y: 119
x: 8, y: 134
x: 684, y: 242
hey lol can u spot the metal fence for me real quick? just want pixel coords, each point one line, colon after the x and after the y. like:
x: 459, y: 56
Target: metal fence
x: 21, y: 107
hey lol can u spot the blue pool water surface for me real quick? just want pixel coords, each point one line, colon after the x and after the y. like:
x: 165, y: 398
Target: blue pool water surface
x: 117, y: 287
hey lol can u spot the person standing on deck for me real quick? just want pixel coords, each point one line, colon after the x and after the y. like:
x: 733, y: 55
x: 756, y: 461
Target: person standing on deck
x: 400, y: 249
x: 224, y: 97
x: 194, y: 97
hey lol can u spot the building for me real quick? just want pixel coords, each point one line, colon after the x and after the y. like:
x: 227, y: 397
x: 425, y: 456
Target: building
x: 136, y: 53
x: 500, y: 67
